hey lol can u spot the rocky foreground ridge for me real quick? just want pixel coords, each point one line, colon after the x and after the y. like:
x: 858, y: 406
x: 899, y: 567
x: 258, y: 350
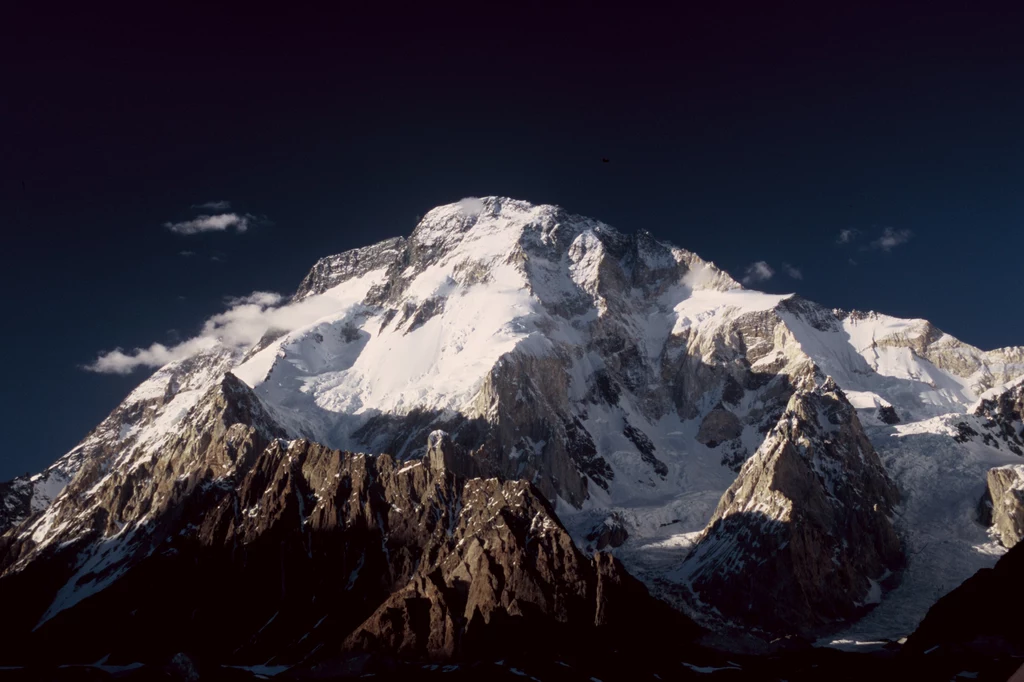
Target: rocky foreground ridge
x: 238, y: 545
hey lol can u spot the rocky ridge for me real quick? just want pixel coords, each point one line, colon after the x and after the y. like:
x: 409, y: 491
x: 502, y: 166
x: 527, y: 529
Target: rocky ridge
x: 803, y: 538
x: 141, y: 424
x: 1002, y: 418
x: 335, y: 543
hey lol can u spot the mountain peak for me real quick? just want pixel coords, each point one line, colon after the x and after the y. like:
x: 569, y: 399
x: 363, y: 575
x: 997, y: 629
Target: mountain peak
x: 802, y: 539
x: 620, y: 376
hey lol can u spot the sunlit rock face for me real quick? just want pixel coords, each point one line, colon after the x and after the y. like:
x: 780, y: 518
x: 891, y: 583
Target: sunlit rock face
x: 1006, y: 496
x: 239, y: 544
x: 802, y: 540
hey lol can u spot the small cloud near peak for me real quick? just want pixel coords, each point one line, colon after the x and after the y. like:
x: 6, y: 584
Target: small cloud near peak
x: 846, y: 236
x: 756, y: 272
x: 259, y: 298
x: 792, y: 271
x: 240, y: 326
x: 891, y: 238
x: 212, y: 223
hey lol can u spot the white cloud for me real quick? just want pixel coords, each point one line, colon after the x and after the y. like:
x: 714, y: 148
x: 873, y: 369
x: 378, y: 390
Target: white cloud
x: 892, y: 238
x: 186, y: 254
x: 758, y: 272
x: 211, y: 223
x: 471, y: 205
x: 847, y: 236
x: 260, y: 298
x: 214, y: 205
x: 237, y: 328
x: 792, y: 271
x: 157, y: 355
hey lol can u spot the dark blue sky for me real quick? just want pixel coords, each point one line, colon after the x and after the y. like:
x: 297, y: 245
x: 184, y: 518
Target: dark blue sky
x: 743, y: 138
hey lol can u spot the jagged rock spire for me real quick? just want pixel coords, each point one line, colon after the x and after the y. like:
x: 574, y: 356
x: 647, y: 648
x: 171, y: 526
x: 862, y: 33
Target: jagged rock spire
x: 803, y: 537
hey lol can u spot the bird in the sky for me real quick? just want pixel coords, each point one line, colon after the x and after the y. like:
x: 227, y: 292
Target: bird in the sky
x: 603, y: 160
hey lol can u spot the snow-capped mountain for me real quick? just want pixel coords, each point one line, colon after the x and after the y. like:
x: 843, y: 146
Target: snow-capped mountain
x: 627, y: 380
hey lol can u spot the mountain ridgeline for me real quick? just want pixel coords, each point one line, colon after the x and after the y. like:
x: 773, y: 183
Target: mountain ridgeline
x: 422, y: 466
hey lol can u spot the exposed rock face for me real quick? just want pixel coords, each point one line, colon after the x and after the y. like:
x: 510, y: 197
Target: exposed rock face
x: 719, y: 426
x: 1006, y: 492
x: 269, y: 548
x: 610, y: 532
x: 333, y: 270
x: 997, y: 420
x: 445, y: 455
x: 143, y: 421
x: 15, y: 501
x: 803, y: 537
x: 887, y: 414
x: 510, y: 573
x: 1002, y: 419
x: 722, y: 429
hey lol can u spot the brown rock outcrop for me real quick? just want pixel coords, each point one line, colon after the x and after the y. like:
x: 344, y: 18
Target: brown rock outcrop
x: 802, y: 539
x: 1006, y: 490
x: 237, y: 543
